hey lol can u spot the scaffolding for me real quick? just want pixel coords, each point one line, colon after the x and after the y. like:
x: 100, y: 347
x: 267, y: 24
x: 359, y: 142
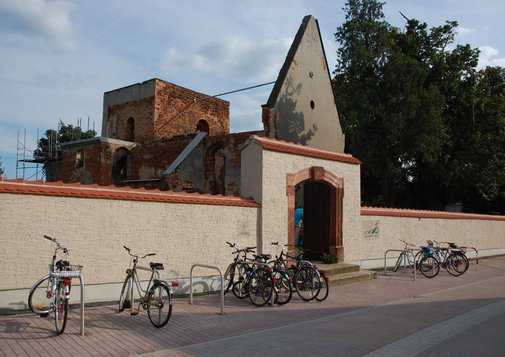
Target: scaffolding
x: 30, y: 166
x: 31, y: 163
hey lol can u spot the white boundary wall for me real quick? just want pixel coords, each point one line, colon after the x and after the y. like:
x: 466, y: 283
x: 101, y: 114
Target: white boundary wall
x: 95, y: 231
x: 384, y: 231
x: 186, y: 231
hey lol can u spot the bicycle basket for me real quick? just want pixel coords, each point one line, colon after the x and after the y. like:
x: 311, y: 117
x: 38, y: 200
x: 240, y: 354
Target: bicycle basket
x: 71, y: 271
x: 427, y: 251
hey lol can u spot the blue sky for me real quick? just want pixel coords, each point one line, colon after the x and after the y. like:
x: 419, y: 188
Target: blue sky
x: 59, y: 57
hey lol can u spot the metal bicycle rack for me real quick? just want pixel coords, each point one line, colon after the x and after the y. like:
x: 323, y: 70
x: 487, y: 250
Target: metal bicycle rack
x: 476, y: 255
x: 222, y: 283
x: 408, y: 251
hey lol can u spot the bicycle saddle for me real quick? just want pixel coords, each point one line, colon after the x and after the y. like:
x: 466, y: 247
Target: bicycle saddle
x: 264, y: 257
x: 157, y: 266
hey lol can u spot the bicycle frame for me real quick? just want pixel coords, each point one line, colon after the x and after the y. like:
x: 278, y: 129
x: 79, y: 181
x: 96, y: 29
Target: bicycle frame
x: 137, y: 282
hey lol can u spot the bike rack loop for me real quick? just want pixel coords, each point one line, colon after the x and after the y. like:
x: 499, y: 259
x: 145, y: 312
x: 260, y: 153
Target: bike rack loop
x: 409, y: 251
x: 220, y: 276
x: 476, y: 255
x: 81, y: 283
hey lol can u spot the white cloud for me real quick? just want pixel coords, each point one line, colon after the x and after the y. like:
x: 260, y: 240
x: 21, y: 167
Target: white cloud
x: 245, y: 111
x: 233, y: 58
x: 40, y: 23
x: 489, y: 56
x: 464, y: 30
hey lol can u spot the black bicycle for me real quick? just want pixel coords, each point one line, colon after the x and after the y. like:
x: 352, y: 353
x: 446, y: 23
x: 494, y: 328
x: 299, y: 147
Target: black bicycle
x: 305, y: 277
x: 237, y: 270
x: 451, y: 257
x: 156, y: 298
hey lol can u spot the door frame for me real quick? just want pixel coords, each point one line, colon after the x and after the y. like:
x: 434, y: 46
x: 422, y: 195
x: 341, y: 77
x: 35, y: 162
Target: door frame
x: 317, y: 173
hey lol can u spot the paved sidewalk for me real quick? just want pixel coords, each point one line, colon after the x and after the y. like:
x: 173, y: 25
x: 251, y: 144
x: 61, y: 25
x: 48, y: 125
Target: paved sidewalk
x: 390, y: 316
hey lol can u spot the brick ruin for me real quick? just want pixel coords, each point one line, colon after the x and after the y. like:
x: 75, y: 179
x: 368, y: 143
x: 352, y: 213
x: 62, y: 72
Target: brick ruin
x: 147, y: 125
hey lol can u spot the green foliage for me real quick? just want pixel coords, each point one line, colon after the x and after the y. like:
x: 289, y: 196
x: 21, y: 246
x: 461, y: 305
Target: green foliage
x: 327, y: 258
x: 49, y: 147
x: 1, y: 168
x: 428, y: 127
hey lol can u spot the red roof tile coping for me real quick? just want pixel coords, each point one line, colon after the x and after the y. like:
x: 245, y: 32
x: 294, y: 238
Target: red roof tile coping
x: 20, y: 186
x: 414, y: 213
x: 297, y: 149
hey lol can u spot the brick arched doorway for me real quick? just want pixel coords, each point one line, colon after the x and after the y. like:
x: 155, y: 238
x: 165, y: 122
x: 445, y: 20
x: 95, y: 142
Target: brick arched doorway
x: 323, y: 182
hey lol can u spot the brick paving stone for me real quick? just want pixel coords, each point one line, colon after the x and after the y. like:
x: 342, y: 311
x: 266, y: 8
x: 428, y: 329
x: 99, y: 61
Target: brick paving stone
x: 355, y: 319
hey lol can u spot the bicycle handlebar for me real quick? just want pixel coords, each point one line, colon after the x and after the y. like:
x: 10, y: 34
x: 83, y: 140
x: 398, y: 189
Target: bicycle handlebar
x: 58, y: 244
x: 137, y: 256
x: 407, y: 243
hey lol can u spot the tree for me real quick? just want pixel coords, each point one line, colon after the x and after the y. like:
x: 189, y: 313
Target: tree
x: 1, y: 168
x: 49, y: 146
x: 428, y: 127
x: 391, y: 112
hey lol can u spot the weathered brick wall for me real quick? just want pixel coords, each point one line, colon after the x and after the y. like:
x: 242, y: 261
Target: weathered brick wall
x: 97, y: 156
x: 143, y: 113
x: 178, y: 111
x: 151, y: 161
x: 170, y: 111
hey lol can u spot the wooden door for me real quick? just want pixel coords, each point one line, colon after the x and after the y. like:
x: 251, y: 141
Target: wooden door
x: 316, y: 220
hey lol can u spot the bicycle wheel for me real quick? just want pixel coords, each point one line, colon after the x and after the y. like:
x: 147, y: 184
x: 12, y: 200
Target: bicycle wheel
x: 61, y: 309
x: 325, y: 288
x: 307, y: 283
x: 260, y: 287
x: 125, y: 300
x: 429, y: 266
x: 39, y: 299
x: 456, y: 264
x: 228, y: 277
x: 282, y: 288
x: 240, y: 289
x: 398, y: 263
x: 159, y: 308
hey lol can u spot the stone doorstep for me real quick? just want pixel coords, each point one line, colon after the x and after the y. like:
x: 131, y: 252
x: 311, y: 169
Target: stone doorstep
x: 337, y: 268
x: 342, y: 273
x: 349, y: 278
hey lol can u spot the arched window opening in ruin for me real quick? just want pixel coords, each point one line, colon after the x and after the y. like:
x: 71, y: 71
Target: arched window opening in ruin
x: 202, y: 125
x: 130, y: 129
x: 214, y: 170
x: 114, y: 126
x: 79, y: 159
x: 121, y: 162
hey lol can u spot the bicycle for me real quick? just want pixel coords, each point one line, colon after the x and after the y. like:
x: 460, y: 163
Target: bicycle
x: 306, y: 278
x: 451, y: 257
x: 237, y: 269
x: 256, y: 280
x: 51, y: 293
x: 156, y: 298
x: 426, y: 262
x: 406, y: 257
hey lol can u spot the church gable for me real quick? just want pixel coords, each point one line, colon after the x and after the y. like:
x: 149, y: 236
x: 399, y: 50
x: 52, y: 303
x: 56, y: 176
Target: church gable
x: 301, y: 108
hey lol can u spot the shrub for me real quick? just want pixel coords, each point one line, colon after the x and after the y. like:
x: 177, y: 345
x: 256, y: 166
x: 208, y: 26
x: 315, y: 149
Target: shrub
x: 329, y: 258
